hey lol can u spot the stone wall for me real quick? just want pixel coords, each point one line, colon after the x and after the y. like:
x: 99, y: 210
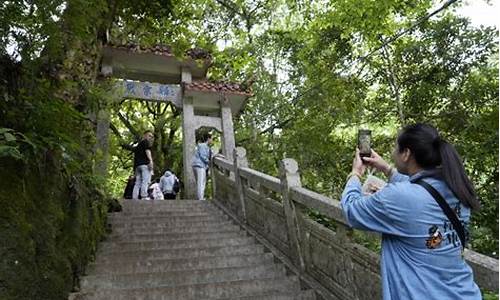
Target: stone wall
x: 50, y: 224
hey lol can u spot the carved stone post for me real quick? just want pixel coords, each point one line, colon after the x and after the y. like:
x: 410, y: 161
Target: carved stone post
x: 188, y: 140
x: 101, y: 120
x: 290, y: 177
x: 102, y: 147
x: 240, y: 161
x: 212, y: 174
x: 188, y: 148
x: 228, y: 142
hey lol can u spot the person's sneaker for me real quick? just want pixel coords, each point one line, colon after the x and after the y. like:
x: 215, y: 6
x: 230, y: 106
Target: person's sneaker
x: 147, y: 198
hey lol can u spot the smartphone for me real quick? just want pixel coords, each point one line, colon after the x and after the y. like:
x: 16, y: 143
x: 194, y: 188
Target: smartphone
x: 364, y: 142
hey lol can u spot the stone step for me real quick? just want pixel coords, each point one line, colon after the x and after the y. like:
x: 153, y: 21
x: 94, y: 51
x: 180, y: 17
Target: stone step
x: 192, y: 263
x: 176, y: 278
x: 167, y: 220
x: 300, y: 295
x: 173, y: 237
x: 173, y: 224
x: 152, y: 214
x: 120, y: 247
x: 126, y: 231
x: 230, y: 290
x: 170, y: 204
x: 183, y: 250
x: 167, y: 207
x: 164, y: 209
x: 164, y: 202
x: 179, y: 253
x: 167, y: 203
x: 159, y: 227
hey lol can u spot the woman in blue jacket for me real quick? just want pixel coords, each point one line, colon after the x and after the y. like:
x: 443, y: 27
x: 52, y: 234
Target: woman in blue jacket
x: 421, y: 250
x: 200, y: 164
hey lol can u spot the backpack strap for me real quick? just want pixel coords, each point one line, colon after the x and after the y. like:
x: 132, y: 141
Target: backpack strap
x: 452, y: 216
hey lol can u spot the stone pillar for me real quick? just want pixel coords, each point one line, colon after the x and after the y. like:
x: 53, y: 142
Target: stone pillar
x: 290, y: 177
x: 240, y: 161
x: 107, y: 66
x: 100, y: 119
x: 228, y: 143
x: 102, y: 135
x: 186, y: 75
x: 188, y: 141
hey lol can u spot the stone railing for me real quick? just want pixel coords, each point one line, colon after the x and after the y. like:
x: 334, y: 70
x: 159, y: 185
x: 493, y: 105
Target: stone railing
x: 276, y: 209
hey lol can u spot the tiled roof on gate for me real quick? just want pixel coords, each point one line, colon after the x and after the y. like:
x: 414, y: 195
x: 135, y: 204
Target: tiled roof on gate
x: 217, y: 87
x: 195, y: 53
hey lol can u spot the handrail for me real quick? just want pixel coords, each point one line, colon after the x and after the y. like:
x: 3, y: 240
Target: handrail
x: 323, y: 204
x: 268, y: 181
x: 294, y: 198
x: 224, y: 163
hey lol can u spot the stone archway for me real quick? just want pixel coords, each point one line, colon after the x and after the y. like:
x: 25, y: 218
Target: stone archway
x: 154, y: 74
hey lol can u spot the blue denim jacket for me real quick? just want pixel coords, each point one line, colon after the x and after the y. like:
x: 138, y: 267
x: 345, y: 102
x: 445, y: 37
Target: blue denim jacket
x: 421, y: 252
x: 201, y: 157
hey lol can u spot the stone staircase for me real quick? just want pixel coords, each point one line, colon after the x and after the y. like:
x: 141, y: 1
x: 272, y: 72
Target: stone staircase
x: 183, y: 250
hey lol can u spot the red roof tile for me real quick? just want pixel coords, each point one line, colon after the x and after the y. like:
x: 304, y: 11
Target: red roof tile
x: 195, y: 53
x: 225, y: 87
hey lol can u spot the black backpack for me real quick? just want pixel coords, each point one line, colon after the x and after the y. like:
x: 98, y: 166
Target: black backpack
x: 129, y: 188
x: 176, y: 186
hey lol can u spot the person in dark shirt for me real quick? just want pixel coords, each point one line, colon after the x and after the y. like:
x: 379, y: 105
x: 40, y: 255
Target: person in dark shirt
x: 143, y: 166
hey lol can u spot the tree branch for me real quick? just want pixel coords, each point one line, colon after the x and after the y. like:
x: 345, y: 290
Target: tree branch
x: 175, y: 111
x: 394, y: 86
x: 125, y: 162
x: 259, y: 5
x: 150, y: 109
x: 165, y: 109
x: 129, y: 126
x: 229, y: 6
x: 271, y: 128
x: 123, y: 144
x: 168, y: 145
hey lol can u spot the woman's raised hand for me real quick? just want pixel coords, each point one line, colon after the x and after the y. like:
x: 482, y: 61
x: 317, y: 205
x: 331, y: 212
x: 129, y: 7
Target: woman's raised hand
x: 377, y: 162
x: 358, y: 167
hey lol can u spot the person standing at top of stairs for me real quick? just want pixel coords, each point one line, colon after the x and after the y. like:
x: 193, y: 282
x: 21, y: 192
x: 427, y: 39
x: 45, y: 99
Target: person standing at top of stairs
x: 200, y: 164
x: 143, y: 165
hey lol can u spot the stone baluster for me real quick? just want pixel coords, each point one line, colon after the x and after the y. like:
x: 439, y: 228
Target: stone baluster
x: 213, y: 175
x: 240, y: 161
x: 290, y: 178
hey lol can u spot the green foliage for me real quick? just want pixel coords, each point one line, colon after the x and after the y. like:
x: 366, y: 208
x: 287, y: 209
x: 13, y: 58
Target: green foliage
x: 327, y: 222
x: 311, y: 95
x: 129, y: 119
x: 489, y: 295
x: 53, y: 210
x: 9, y: 143
x: 370, y: 242
x: 444, y: 72
x: 50, y: 227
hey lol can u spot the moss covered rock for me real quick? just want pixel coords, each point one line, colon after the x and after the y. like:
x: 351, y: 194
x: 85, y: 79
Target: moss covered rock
x: 50, y: 224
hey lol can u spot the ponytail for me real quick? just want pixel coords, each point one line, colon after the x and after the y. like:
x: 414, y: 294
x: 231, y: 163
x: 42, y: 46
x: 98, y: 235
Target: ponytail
x: 453, y: 172
x: 430, y: 151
